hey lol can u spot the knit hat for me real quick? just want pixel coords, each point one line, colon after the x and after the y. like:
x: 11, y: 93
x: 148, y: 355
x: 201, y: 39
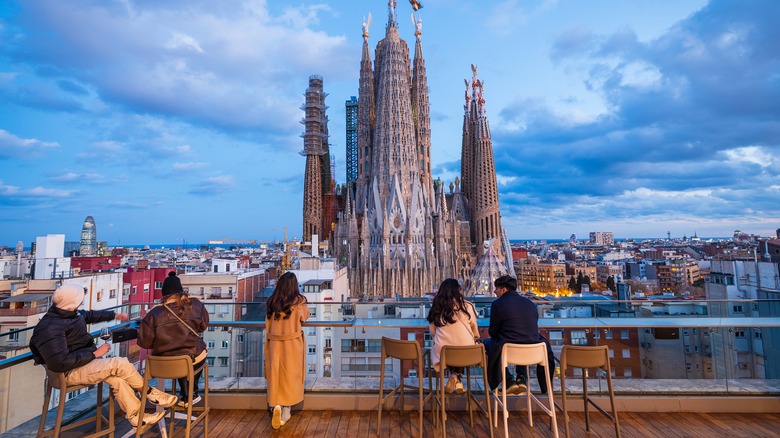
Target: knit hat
x: 68, y: 297
x: 171, y: 285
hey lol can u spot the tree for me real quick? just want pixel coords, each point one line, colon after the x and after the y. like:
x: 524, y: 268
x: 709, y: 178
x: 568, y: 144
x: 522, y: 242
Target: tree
x: 580, y: 280
x: 611, y: 283
x: 573, y: 284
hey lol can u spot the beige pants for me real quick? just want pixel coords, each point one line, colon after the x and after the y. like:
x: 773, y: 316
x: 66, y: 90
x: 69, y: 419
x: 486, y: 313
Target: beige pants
x: 120, y: 375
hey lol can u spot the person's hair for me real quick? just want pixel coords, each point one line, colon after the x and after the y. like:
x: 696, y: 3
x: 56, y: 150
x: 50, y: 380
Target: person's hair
x: 181, y: 299
x: 285, y: 295
x: 506, y: 281
x: 447, y: 301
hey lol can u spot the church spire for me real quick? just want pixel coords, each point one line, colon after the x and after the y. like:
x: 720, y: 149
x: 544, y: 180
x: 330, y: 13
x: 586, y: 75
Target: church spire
x: 421, y: 108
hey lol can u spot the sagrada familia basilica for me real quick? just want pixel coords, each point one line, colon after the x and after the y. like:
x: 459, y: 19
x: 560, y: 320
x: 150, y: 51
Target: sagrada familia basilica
x: 398, y: 231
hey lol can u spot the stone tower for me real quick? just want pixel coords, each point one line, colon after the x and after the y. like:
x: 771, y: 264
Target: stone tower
x: 400, y: 234
x: 393, y: 231
x: 317, y: 179
x: 478, y: 169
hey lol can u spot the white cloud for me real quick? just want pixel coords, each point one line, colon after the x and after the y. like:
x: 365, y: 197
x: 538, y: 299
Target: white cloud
x: 750, y: 154
x: 12, y: 146
x: 192, y: 165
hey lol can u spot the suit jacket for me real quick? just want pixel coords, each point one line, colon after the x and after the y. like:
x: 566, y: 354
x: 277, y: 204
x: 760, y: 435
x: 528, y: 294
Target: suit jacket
x: 514, y: 318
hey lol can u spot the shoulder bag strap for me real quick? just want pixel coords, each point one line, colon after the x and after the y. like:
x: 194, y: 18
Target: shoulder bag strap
x: 182, y: 321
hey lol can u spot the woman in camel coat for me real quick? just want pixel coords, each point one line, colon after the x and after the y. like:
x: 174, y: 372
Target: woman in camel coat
x: 285, y: 364
x: 453, y: 321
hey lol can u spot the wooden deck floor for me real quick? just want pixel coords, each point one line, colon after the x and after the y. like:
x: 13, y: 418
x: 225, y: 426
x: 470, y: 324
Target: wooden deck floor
x: 354, y: 424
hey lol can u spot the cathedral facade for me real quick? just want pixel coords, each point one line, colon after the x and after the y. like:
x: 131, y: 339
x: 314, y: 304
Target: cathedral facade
x: 400, y: 233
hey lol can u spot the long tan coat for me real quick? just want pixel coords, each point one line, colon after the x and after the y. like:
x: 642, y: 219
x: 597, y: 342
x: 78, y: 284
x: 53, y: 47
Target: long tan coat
x: 285, y: 357
x: 461, y: 332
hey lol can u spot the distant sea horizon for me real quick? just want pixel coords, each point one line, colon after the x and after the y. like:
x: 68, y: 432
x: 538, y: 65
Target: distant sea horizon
x: 257, y: 245
x: 271, y: 242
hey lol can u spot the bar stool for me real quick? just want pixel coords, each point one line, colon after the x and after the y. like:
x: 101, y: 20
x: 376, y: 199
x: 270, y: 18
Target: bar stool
x: 404, y: 350
x: 57, y: 381
x: 525, y: 355
x: 585, y: 357
x: 463, y: 356
x: 175, y: 367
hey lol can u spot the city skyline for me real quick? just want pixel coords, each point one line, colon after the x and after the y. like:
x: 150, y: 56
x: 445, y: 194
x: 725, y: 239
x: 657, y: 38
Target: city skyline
x: 179, y: 121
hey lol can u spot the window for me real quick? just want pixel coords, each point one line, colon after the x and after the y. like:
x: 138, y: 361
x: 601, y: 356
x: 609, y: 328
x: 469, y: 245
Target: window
x: 211, y: 328
x: 626, y: 353
x: 627, y: 372
x: 225, y: 344
x: 223, y: 361
x: 608, y: 335
x: 209, y: 307
x: 225, y: 308
x: 624, y: 334
x: 757, y: 334
x: 135, y: 311
x: 596, y: 334
x: 13, y: 336
x: 112, y: 293
x: 312, y: 312
x: 361, y: 346
x: 611, y: 353
x: 210, y: 361
x: 556, y: 337
x: 312, y: 331
x: 146, y: 287
x: 210, y: 344
x: 240, y: 339
x: 158, y: 284
x: 312, y: 368
x: 739, y: 334
x: 135, y: 290
x: 737, y: 309
x: 312, y: 349
x: 230, y: 290
x: 126, y: 291
x: 578, y: 337
x: 100, y: 296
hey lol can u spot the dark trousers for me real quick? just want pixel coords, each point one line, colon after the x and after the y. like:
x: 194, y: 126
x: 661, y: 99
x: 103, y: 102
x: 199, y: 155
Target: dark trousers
x: 183, y: 383
x: 494, y: 370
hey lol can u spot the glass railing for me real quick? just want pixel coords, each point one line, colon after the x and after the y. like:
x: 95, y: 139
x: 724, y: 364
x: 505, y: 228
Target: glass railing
x: 656, y: 348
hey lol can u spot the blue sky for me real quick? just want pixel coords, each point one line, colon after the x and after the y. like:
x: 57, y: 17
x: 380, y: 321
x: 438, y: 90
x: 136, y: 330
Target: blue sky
x: 179, y: 120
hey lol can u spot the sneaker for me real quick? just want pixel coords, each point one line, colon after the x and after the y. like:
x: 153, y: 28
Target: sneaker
x: 160, y: 398
x: 459, y: 388
x: 276, y: 421
x: 147, y: 418
x: 516, y: 388
x: 183, y: 402
x: 452, y: 383
x: 286, y: 414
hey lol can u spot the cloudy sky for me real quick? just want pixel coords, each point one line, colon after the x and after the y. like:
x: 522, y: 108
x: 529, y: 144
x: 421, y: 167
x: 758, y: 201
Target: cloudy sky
x: 178, y: 120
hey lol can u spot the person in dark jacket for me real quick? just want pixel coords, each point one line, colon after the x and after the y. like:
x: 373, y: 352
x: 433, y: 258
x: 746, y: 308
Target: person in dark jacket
x: 513, y: 318
x: 172, y: 329
x: 61, y: 342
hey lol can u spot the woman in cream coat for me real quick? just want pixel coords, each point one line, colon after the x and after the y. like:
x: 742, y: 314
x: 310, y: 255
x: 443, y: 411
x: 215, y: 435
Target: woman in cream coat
x: 285, y: 366
x: 453, y: 321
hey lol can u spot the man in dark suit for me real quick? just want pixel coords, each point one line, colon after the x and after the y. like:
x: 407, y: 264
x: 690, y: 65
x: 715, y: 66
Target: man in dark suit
x: 514, y: 319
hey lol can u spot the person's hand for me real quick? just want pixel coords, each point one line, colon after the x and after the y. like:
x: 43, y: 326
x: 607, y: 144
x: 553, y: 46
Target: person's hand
x: 102, y: 350
x: 122, y: 317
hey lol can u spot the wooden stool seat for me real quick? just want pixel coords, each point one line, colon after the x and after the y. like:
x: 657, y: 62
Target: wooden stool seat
x: 587, y: 357
x: 404, y: 350
x: 525, y: 355
x: 463, y: 357
x: 176, y: 367
x: 56, y: 380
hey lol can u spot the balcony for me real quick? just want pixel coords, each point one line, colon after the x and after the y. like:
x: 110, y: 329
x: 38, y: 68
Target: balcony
x: 723, y: 396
